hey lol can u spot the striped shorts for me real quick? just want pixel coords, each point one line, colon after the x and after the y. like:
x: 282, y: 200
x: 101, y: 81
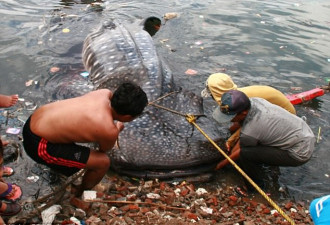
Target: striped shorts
x: 66, y: 159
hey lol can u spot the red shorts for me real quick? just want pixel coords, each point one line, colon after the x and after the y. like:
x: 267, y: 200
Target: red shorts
x: 63, y: 158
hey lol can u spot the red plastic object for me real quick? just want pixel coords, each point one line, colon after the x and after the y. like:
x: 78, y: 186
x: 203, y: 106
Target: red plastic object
x: 305, y: 96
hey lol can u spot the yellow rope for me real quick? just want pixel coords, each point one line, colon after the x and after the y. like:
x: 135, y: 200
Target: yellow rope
x: 192, y: 119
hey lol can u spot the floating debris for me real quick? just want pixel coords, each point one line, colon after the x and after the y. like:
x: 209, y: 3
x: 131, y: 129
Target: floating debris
x: 54, y: 69
x: 28, y: 83
x: 319, y: 135
x: 13, y: 130
x: 66, y: 30
x: 168, y: 16
x: 296, y: 88
x: 191, y: 72
x: 84, y: 74
x: 164, y: 40
x: 32, y: 178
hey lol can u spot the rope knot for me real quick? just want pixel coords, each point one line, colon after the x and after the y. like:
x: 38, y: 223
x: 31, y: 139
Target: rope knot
x: 190, y: 118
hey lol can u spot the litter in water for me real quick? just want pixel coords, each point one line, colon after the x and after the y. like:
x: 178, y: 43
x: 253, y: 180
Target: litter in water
x: 54, y: 69
x: 66, y: 30
x: 13, y: 130
x: 191, y: 72
x: 84, y: 74
x: 28, y: 83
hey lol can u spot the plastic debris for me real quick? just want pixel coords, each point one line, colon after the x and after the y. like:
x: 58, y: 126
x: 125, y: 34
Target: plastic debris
x: 177, y: 191
x: 89, y: 195
x: 48, y: 215
x: 296, y: 88
x: 168, y: 16
x: 54, y: 69
x: 201, y: 191
x: 66, y: 30
x: 326, y: 175
x: 191, y: 72
x: 273, y: 211
x: 328, y: 60
x: 13, y: 130
x: 84, y: 74
x: 75, y: 220
x: 207, y: 210
x: 28, y: 83
x: 153, y: 196
x: 293, y: 210
x: 33, y: 178
x: 164, y: 40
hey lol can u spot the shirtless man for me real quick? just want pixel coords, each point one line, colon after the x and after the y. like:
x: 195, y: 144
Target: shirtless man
x: 52, y: 130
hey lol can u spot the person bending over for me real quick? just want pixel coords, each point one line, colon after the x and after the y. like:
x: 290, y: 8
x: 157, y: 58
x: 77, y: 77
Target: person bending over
x: 269, y: 135
x: 52, y: 131
x: 219, y: 83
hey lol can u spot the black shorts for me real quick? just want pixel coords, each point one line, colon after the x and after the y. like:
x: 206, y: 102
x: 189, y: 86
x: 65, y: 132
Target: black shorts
x: 63, y: 158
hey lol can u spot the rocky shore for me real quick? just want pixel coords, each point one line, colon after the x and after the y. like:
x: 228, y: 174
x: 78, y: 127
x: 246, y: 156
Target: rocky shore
x: 129, y: 201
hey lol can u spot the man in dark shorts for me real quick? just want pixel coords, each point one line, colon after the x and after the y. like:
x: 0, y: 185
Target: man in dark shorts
x: 52, y: 131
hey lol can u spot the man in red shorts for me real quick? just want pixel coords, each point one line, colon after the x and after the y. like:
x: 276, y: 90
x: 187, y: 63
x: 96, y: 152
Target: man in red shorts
x: 51, y: 133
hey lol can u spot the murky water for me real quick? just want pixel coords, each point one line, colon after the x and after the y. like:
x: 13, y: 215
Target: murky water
x: 284, y: 44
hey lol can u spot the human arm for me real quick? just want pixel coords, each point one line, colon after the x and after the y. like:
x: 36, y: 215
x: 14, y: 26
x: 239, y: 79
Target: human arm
x: 234, y: 155
x: 108, y: 141
x: 233, y: 139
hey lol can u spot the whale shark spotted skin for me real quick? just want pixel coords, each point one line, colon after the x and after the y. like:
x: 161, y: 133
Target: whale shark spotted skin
x: 158, y: 143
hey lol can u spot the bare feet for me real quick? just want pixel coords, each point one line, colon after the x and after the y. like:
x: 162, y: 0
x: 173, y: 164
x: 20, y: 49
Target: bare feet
x: 8, y: 100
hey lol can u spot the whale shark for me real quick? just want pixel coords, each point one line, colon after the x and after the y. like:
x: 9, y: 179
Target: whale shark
x: 159, y: 143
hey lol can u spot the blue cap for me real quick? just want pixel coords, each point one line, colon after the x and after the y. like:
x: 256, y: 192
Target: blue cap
x: 232, y: 102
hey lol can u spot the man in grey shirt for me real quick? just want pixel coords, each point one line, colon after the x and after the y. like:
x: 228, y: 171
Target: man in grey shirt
x: 269, y: 135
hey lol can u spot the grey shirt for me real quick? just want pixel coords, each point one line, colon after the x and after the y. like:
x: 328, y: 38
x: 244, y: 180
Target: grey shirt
x: 270, y: 125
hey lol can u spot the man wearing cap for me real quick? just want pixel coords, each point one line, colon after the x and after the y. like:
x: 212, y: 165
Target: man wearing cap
x: 269, y: 134
x: 219, y: 83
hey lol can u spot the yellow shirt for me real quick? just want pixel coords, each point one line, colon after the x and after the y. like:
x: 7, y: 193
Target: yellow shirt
x: 272, y: 95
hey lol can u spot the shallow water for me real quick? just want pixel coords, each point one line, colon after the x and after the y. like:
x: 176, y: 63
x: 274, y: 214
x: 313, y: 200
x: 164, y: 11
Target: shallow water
x: 280, y: 43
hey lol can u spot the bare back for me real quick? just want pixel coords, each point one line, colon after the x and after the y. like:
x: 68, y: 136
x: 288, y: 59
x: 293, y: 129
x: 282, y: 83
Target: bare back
x: 87, y: 118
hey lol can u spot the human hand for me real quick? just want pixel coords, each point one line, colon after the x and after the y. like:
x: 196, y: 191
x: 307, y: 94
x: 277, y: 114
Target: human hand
x: 221, y: 164
x: 228, y: 147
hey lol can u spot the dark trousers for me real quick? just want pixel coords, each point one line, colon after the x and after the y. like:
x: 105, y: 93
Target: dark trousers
x: 253, y: 159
